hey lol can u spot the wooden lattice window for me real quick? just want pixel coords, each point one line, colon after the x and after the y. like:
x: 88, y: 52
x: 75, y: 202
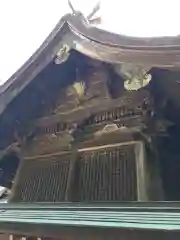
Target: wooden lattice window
x: 105, y: 173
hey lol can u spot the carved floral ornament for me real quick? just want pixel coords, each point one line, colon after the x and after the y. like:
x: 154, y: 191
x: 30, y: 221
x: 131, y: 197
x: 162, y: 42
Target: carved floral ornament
x: 135, y: 76
x: 63, y: 54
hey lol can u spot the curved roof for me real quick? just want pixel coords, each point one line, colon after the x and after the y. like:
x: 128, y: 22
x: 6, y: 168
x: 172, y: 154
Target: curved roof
x: 96, y: 43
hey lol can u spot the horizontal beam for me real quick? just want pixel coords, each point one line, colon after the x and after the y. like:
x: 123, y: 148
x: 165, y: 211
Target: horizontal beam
x: 105, y: 206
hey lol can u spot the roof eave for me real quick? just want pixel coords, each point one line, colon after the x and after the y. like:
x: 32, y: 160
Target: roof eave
x: 95, y: 43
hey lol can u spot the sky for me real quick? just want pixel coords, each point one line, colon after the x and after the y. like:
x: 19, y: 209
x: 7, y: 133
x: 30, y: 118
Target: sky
x: 24, y: 25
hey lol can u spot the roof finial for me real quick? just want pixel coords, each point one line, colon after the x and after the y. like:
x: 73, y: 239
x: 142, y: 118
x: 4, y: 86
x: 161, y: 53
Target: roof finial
x: 89, y: 17
x: 71, y: 6
x: 94, y: 11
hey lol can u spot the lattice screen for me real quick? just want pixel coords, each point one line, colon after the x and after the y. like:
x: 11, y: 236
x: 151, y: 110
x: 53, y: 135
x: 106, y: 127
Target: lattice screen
x: 104, y: 173
x: 42, y: 180
x: 108, y: 175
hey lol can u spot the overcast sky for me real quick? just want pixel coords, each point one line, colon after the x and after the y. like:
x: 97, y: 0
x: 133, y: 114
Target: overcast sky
x: 25, y: 24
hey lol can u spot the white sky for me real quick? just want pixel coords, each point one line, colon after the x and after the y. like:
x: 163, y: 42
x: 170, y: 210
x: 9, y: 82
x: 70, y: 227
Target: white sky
x: 24, y: 24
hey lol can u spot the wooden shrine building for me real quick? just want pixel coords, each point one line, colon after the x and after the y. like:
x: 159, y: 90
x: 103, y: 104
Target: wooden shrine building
x: 92, y: 118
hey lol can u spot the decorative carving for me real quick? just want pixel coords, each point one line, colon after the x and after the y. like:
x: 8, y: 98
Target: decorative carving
x: 80, y: 89
x: 135, y: 77
x: 63, y: 54
x: 137, y: 83
x: 107, y: 129
x: 83, y: 92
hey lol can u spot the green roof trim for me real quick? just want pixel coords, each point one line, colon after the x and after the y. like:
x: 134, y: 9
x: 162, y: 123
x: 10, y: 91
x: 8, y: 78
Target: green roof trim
x: 146, y: 220
x: 101, y: 215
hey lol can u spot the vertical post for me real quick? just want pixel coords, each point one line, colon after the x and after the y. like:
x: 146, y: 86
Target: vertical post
x: 69, y: 195
x: 141, y: 169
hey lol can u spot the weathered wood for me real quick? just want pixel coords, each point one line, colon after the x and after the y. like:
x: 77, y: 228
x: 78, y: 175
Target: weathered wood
x: 30, y: 185
x: 36, y: 175
x: 71, y: 184
x: 89, y: 109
